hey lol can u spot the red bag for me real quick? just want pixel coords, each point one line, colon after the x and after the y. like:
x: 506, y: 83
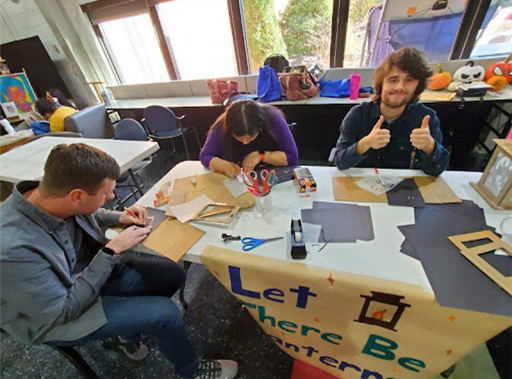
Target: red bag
x: 298, y: 83
x: 220, y: 90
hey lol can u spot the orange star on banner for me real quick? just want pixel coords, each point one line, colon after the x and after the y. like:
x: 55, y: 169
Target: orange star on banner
x: 330, y: 280
x: 449, y: 351
x: 451, y: 318
x: 317, y: 319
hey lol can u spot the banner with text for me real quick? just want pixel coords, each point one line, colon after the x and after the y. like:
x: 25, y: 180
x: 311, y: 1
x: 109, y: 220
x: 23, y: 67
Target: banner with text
x: 352, y: 326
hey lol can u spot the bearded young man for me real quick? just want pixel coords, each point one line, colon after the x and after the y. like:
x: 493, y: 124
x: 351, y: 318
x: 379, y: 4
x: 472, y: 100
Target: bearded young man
x: 394, y: 131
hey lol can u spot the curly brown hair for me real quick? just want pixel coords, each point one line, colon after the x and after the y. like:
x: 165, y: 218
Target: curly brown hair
x: 408, y: 59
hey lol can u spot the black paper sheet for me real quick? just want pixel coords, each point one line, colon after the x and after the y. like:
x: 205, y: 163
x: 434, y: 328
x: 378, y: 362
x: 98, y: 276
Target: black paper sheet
x: 455, y: 280
x: 407, y: 194
x: 340, y: 222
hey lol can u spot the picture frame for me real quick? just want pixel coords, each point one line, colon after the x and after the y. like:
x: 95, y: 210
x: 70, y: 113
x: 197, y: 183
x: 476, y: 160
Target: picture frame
x: 495, y: 185
x: 10, y: 110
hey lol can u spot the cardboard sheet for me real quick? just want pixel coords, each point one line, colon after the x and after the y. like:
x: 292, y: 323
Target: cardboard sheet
x: 210, y: 185
x: 434, y: 190
x: 173, y: 239
x: 346, y: 189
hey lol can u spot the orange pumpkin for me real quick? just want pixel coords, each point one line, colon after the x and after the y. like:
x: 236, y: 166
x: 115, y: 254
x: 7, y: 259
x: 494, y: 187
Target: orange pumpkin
x: 497, y: 82
x: 499, y: 74
x: 440, y: 80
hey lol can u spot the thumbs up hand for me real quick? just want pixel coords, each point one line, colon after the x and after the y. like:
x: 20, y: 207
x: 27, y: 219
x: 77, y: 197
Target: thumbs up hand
x: 378, y: 138
x: 421, y: 138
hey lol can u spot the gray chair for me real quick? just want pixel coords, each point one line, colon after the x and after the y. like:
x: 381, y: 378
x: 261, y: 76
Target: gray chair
x: 90, y: 122
x: 129, y: 129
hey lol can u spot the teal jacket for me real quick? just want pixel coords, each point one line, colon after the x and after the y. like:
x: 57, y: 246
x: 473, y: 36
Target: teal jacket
x: 40, y: 298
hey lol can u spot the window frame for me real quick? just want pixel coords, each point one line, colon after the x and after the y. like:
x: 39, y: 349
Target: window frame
x: 465, y: 39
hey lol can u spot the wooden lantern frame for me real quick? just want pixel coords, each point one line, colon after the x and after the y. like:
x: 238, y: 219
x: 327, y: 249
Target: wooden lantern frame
x: 504, y: 199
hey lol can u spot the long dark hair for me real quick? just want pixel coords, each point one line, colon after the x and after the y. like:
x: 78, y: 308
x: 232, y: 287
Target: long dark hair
x: 59, y: 95
x: 242, y: 118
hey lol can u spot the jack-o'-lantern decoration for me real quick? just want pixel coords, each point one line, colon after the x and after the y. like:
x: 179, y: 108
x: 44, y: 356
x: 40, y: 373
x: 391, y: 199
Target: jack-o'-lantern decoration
x: 469, y: 73
x: 499, y: 74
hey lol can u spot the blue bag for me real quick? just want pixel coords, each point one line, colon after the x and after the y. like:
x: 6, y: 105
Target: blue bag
x: 40, y: 127
x: 336, y: 88
x: 269, y: 87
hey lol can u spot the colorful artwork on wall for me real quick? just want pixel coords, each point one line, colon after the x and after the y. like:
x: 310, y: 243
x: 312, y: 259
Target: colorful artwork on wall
x: 17, y: 88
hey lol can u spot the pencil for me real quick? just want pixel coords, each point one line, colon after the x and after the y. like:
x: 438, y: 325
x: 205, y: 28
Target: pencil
x: 413, y: 157
x: 380, y: 178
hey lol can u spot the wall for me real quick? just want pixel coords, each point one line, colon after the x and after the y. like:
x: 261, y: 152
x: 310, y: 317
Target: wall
x: 67, y: 36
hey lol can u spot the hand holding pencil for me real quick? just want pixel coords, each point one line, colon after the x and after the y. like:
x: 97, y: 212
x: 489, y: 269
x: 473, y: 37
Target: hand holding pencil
x: 134, y: 215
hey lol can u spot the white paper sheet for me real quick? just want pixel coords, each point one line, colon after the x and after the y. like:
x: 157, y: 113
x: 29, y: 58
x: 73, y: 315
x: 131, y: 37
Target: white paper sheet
x: 236, y: 187
x: 311, y: 236
x: 372, y: 184
x: 187, y: 211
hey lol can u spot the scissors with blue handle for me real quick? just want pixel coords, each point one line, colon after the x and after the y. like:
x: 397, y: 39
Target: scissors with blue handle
x: 251, y: 243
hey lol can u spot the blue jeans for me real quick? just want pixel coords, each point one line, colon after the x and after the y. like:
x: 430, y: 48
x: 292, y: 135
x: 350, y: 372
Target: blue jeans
x: 136, y: 300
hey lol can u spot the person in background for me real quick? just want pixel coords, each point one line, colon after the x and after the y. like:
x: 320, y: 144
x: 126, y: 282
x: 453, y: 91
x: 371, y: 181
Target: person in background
x: 57, y: 96
x: 247, y: 134
x: 63, y: 283
x: 54, y: 114
x: 394, y: 131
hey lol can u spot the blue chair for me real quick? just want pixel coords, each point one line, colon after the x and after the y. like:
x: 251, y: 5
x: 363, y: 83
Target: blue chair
x: 162, y: 124
x: 129, y: 129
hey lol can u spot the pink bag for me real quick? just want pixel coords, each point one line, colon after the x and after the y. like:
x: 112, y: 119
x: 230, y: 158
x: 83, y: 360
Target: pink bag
x: 220, y: 90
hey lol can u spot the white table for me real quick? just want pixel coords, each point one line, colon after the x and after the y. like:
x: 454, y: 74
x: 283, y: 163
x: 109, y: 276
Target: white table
x: 379, y: 258
x: 27, y: 162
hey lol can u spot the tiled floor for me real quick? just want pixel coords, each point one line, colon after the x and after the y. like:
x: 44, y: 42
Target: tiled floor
x: 217, y: 324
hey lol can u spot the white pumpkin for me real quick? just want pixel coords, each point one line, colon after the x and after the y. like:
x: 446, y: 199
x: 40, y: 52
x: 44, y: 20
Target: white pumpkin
x: 453, y: 86
x: 469, y: 73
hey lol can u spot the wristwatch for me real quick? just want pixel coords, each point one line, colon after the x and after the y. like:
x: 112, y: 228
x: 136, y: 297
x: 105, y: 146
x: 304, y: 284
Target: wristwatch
x: 262, y: 155
x: 108, y: 250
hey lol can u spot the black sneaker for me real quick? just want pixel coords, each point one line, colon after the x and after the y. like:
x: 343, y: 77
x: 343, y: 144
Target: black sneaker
x: 136, y: 351
x: 216, y: 369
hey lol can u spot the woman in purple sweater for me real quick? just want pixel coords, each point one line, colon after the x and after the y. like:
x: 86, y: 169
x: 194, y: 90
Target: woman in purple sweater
x: 246, y: 134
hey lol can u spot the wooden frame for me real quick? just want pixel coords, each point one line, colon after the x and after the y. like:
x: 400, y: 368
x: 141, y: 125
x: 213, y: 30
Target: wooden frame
x: 201, y: 215
x: 473, y: 255
x: 470, y: 24
x: 165, y: 45
x: 502, y: 200
x: 339, y: 25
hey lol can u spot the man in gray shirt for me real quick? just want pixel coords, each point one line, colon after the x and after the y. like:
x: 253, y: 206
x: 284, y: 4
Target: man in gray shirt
x: 64, y: 283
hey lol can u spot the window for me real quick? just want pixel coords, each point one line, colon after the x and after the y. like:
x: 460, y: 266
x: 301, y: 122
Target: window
x: 360, y: 12
x: 495, y: 36
x: 134, y: 49
x: 199, y: 34
x: 298, y: 29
